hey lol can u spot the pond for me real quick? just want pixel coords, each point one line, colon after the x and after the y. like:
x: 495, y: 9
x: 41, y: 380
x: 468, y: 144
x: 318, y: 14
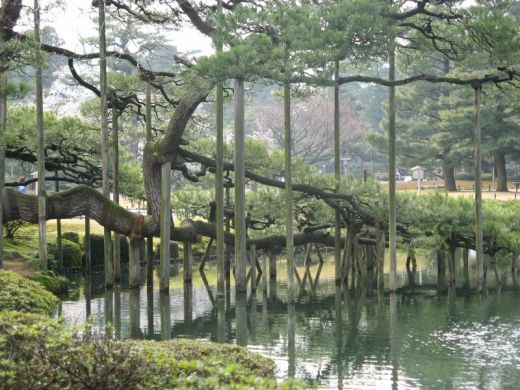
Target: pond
x: 330, y: 338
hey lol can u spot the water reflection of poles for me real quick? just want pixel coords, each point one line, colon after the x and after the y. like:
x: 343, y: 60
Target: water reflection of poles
x: 166, y: 325
x: 117, y: 311
x: 394, y: 340
x: 339, y: 334
x: 88, y: 296
x: 252, y: 316
x: 149, y: 309
x: 291, y: 339
x: 221, y: 319
x: 109, y: 311
x: 241, y: 319
x: 188, y: 302
x: 135, y: 314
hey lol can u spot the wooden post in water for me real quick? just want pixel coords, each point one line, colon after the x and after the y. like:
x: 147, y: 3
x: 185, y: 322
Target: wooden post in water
x: 391, y: 175
x: 479, y: 240
x: 227, y: 265
x: 240, y: 212
x: 381, y: 245
x: 165, y: 314
x: 272, y: 265
x: 337, y: 176
x: 115, y: 188
x: 465, y: 266
x: 219, y: 175
x: 288, y: 192
x: 166, y: 215
x: 264, y: 273
x: 134, y: 246
x: 42, y: 207
x: 149, y: 240
x: 109, y: 266
x: 188, y: 262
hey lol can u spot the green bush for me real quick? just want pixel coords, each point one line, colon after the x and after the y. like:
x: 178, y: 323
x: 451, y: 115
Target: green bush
x: 56, y: 284
x: 21, y: 294
x: 71, y: 236
x: 70, y: 250
x: 97, y: 245
x: 36, y: 351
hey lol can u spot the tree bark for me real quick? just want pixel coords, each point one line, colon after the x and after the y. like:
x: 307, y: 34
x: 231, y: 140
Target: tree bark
x: 115, y: 189
x: 148, y: 130
x: 501, y: 172
x: 166, y: 223
x: 3, y: 115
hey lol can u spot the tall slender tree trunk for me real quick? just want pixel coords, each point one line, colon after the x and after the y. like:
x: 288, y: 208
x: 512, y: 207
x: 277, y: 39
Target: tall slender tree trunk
x: 42, y: 209
x: 288, y: 191
x: 240, y: 212
x: 500, y: 167
x: 391, y: 176
x: 337, y: 175
x: 219, y: 177
x: 479, y: 241
x: 115, y: 189
x: 109, y: 265
x: 165, y: 223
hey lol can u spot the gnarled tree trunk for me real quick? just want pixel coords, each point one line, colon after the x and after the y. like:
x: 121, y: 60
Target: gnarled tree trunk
x: 500, y: 167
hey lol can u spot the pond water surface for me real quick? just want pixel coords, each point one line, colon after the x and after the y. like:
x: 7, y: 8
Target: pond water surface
x: 330, y: 338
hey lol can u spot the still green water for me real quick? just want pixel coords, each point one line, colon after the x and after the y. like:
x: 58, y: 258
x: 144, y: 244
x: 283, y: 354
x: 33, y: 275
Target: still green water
x: 329, y: 338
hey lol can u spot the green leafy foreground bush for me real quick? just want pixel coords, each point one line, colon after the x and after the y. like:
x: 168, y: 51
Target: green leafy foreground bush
x: 39, y: 352
x: 21, y: 294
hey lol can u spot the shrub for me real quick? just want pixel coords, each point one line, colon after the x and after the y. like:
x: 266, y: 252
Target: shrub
x: 39, y: 351
x: 97, y: 247
x: 71, y: 236
x: 70, y: 250
x: 21, y: 294
x: 56, y: 284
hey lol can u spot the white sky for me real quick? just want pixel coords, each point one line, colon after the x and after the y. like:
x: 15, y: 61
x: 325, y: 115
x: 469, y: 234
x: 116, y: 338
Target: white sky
x: 74, y: 19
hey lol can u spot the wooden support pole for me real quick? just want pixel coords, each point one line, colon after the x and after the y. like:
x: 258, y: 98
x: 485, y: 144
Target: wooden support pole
x: 134, y: 246
x: 227, y: 265
x: 252, y: 261
x: 479, y: 240
x: 188, y: 262
x: 465, y: 266
x: 42, y: 207
x: 264, y: 273
x: 149, y: 240
x: 166, y: 215
x: 115, y: 189
x: 288, y: 193
x: 272, y: 265
x: 206, y: 255
x: 391, y: 176
x: 240, y: 211
x: 88, y: 259
x: 219, y: 175
x: 337, y: 175
x: 59, y: 248
x: 109, y: 266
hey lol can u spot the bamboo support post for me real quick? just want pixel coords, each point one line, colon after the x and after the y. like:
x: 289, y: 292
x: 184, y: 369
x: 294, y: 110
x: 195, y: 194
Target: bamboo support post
x: 134, y: 246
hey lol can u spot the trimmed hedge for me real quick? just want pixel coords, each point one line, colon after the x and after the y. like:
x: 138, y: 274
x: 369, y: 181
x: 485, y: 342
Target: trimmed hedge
x: 72, y: 256
x: 56, y: 284
x: 21, y: 294
x: 36, y: 351
x: 97, y: 248
x: 71, y: 236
